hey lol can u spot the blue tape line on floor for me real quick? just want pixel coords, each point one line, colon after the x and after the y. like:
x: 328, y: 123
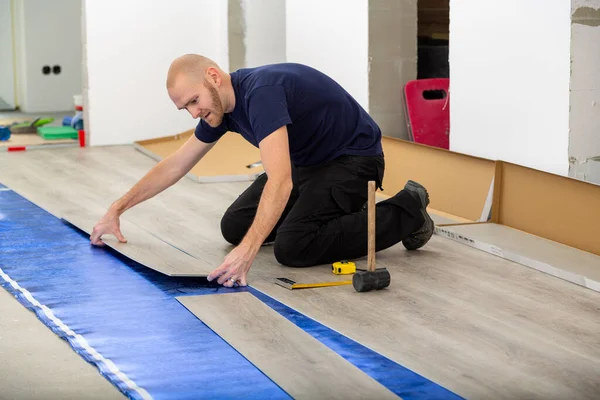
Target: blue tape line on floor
x: 126, y: 312
x: 400, y: 380
x: 129, y: 314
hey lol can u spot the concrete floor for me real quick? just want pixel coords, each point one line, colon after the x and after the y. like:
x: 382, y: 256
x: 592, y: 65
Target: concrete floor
x: 37, y: 364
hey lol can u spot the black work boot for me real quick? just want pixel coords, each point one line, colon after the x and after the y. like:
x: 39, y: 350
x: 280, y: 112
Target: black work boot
x: 421, y: 236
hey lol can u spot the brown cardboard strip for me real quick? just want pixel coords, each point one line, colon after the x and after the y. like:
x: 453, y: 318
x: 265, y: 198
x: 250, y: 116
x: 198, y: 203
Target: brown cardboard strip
x: 554, y: 207
x: 439, y: 217
x: 568, y: 263
x: 227, y: 161
x: 300, y: 364
x: 458, y: 184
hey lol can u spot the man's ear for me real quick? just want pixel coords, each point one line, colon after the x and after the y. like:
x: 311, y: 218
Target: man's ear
x: 213, y: 76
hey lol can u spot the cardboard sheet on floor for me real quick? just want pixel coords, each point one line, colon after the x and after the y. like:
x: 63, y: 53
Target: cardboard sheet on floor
x: 143, y: 247
x: 300, y: 364
x: 232, y: 159
x: 568, y: 263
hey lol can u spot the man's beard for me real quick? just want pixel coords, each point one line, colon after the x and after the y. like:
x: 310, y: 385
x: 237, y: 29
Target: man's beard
x: 217, y: 106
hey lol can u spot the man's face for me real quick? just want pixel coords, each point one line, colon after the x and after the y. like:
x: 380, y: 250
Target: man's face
x: 201, y: 100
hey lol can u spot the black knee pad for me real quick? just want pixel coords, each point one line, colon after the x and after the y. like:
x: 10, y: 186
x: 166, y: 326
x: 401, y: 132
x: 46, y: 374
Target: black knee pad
x: 231, y: 230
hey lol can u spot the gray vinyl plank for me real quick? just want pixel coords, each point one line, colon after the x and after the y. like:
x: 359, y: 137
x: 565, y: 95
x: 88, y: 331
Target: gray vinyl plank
x: 488, y: 336
x: 477, y: 324
x: 554, y: 258
x: 80, y: 207
x: 298, y: 363
x: 143, y: 247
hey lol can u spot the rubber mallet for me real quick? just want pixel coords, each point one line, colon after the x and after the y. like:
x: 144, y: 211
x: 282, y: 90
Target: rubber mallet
x: 372, y: 278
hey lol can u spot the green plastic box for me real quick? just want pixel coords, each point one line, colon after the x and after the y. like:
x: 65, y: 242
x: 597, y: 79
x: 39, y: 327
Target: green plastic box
x: 57, y: 132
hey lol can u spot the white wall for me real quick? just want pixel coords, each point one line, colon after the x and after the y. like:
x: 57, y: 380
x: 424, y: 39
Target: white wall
x: 48, y: 33
x: 129, y: 47
x: 334, y: 38
x: 509, y: 76
x: 7, y: 76
x: 265, y: 31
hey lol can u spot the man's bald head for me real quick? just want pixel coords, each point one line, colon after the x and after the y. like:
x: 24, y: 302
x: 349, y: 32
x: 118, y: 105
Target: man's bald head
x: 197, y: 84
x: 192, y: 66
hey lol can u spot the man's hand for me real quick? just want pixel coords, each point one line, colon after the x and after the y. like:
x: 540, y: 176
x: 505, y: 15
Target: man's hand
x: 235, y: 267
x: 275, y: 156
x: 107, y: 224
x: 161, y: 176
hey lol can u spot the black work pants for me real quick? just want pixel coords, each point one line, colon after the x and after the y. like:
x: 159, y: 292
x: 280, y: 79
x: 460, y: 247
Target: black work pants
x: 325, y: 219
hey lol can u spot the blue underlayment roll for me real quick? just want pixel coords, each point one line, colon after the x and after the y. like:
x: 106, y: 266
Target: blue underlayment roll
x: 124, y: 317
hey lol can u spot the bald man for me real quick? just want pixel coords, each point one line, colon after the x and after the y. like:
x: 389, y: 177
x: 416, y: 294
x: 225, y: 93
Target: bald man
x: 319, y: 148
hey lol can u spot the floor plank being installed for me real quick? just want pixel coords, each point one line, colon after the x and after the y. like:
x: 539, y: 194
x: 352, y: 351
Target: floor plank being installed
x: 479, y: 325
x: 142, y: 246
x: 298, y: 363
x: 83, y: 211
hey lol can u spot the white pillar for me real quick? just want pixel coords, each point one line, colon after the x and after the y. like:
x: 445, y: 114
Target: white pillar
x: 367, y: 46
x: 584, y: 139
x: 128, y: 60
x: 265, y: 31
x: 509, y: 81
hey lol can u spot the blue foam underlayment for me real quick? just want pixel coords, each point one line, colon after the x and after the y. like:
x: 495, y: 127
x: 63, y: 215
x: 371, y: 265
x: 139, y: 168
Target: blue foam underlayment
x: 128, y: 314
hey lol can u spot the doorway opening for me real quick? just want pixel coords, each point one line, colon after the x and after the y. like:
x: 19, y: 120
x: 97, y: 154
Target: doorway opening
x: 433, y: 39
x: 40, y: 73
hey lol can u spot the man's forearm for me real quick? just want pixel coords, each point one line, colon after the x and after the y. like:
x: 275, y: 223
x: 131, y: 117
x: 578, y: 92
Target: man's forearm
x: 270, y: 208
x: 163, y: 175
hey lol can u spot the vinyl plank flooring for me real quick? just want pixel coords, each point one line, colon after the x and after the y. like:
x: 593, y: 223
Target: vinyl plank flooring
x: 80, y: 208
x: 544, y: 255
x: 143, y: 247
x: 300, y: 364
x: 484, y: 346
x: 477, y: 324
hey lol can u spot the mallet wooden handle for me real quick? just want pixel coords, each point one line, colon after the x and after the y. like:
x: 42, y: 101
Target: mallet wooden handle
x: 371, y: 225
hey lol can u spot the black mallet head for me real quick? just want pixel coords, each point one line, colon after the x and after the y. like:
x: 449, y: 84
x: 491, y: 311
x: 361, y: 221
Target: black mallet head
x: 372, y: 278
x: 365, y: 281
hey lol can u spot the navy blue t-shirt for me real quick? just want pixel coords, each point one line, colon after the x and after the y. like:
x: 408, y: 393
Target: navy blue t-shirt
x: 323, y: 120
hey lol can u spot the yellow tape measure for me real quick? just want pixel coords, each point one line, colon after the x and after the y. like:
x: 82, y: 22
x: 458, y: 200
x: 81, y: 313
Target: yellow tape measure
x: 343, y: 268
